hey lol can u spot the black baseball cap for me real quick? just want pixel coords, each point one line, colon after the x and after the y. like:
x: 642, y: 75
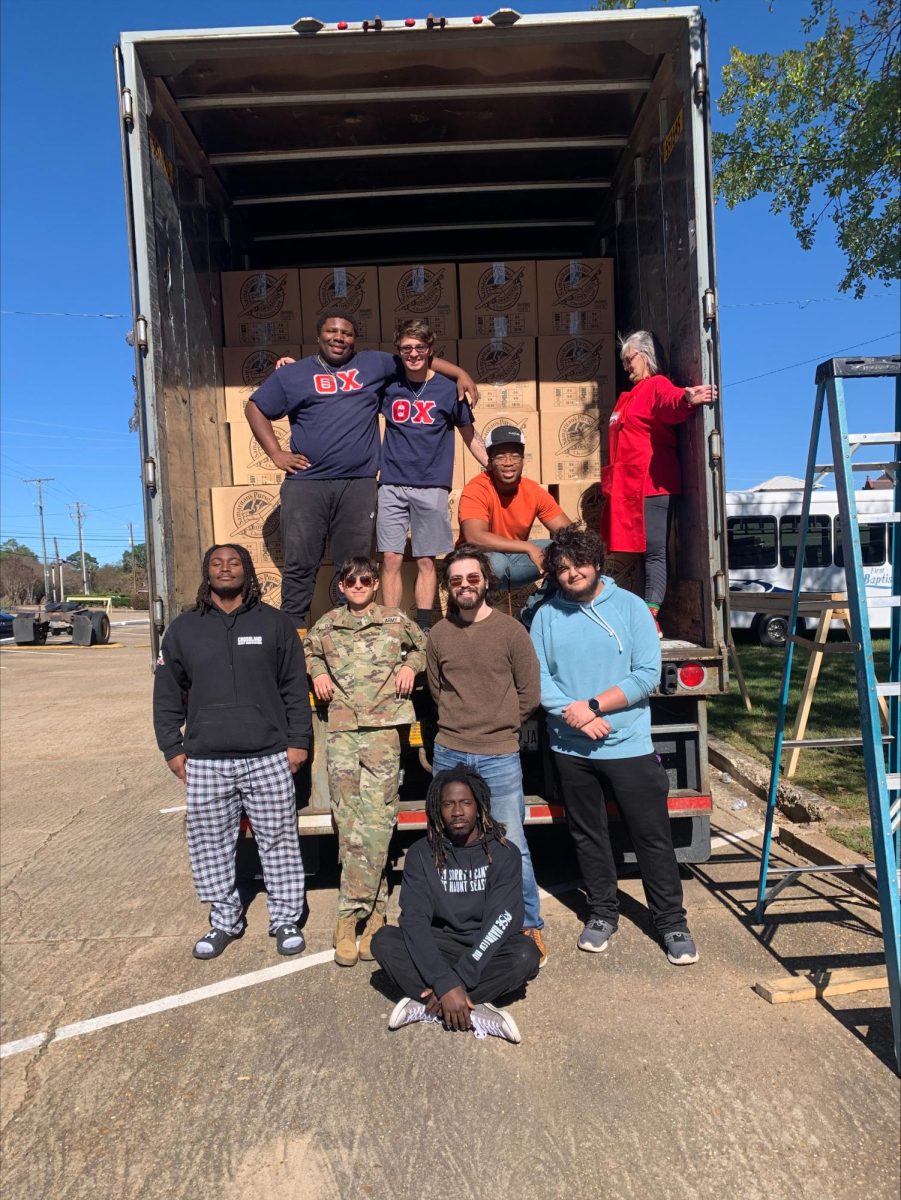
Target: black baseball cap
x: 504, y: 435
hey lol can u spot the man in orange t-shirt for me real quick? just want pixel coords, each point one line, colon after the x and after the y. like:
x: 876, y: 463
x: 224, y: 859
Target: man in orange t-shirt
x: 498, y: 509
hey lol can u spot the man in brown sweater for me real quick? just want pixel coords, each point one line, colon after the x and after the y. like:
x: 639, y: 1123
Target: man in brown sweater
x: 483, y: 676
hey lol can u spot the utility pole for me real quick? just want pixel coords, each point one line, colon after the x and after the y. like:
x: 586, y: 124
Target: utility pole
x: 59, y: 572
x: 39, y: 482
x: 134, y: 570
x: 79, y: 517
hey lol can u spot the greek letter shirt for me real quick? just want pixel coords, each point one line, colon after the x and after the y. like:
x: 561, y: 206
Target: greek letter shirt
x: 332, y: 411
x: 420, y: 419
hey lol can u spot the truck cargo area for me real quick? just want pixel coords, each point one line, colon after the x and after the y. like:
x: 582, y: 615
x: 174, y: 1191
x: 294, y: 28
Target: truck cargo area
x: 535, y: 136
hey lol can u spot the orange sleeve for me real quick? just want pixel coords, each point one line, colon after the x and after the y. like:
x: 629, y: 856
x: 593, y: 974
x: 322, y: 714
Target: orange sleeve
x: 474, y: 502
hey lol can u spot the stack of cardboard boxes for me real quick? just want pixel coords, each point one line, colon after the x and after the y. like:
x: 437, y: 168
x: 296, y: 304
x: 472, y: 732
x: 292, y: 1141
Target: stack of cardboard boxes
x: 538, y: 338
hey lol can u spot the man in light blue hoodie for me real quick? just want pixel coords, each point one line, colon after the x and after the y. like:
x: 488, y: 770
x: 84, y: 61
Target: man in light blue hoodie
x: 599, y: 655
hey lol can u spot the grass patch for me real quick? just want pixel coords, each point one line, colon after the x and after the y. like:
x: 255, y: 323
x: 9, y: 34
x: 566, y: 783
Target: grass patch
x: 858, y: 838
x: 836, y: 775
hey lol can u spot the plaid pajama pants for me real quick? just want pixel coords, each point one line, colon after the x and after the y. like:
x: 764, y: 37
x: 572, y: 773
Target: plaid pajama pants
x: 217, y: 790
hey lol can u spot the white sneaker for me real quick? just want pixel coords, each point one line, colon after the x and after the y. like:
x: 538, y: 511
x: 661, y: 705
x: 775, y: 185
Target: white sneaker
x: 488, y: 1021
x: 408, y: 1011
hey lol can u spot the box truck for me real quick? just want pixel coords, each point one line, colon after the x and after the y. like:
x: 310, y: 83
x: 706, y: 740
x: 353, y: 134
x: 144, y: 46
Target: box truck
x: 504, y: 138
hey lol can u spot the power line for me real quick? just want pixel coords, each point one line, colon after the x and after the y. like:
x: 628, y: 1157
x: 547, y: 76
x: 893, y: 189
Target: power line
x: 20, y: 312
x: 806, y: 362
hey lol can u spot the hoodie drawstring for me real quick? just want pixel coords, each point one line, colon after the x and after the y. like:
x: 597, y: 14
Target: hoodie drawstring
x: 595, y: 616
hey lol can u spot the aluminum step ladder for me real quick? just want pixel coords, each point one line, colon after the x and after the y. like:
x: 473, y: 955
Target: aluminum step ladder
x: 881, y: 752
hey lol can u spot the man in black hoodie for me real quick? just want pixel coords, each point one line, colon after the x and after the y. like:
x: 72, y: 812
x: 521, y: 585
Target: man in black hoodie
x: 458, y: 946
x: 232, y: 672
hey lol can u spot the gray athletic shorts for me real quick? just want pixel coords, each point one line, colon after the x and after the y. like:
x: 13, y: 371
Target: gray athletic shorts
x: 421, y: 512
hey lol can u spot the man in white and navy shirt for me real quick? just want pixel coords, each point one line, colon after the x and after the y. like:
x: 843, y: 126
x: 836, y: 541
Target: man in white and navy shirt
x: 231, y: 672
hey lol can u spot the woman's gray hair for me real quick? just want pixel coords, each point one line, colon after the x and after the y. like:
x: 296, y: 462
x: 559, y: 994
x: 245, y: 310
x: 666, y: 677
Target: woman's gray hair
x: 642, y: 342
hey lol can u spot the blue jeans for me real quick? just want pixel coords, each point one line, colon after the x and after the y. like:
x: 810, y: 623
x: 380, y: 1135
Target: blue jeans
x: 515, y: 569
x: 503, y: 774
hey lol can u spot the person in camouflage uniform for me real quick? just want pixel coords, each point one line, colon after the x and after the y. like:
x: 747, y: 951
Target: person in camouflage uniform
x: 363, y: 660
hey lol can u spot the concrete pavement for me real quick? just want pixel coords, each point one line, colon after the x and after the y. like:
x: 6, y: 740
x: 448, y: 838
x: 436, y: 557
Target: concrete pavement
x: 634, y: 1078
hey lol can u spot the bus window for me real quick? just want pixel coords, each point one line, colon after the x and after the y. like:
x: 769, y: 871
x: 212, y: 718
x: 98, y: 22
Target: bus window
x: 872, y: 544
x: 817, y: 552
x: 752, y: 542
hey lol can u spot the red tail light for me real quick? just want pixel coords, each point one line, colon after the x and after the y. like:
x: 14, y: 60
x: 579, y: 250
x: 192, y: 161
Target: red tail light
x: 692, y: 675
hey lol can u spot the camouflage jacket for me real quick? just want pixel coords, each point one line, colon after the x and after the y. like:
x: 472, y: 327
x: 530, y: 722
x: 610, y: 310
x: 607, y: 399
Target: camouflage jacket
x: 362, y: 657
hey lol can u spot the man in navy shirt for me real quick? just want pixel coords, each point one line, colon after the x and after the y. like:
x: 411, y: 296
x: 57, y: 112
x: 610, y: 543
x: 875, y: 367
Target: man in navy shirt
x: 421, y: 412
x: 329, y: 494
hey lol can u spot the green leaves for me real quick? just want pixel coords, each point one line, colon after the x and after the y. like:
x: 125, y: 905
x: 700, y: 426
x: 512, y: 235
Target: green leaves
x: 819, y: 131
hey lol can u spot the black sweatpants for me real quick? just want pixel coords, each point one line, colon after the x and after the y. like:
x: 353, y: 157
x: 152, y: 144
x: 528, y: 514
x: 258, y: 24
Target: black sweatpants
x: 340, y: 511
x: 512, y: 965
x: 658, y: 516
x: 639, y: 786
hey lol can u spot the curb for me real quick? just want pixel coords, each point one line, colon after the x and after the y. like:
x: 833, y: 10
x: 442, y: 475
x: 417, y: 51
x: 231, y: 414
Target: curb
x: 820, y: 849
x: 796, y: 803
x: 800, y: 806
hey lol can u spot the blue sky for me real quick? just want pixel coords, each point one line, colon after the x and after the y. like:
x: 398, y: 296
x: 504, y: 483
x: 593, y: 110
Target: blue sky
x: 66, y: 380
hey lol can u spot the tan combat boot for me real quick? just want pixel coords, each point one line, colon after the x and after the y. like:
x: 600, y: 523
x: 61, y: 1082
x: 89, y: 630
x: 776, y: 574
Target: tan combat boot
x: 346, y: 953
x: 373, y: 924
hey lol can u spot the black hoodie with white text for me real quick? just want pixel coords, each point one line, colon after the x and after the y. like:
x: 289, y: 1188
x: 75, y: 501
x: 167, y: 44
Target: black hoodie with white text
x: 476, y: 898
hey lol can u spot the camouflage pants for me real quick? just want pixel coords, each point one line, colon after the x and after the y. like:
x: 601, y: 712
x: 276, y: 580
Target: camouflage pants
x: 363, y: 774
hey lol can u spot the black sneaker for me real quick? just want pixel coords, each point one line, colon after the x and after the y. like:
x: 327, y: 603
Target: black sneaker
x: 289, y: 939
x: 680, y: 947
x: 213, y: 943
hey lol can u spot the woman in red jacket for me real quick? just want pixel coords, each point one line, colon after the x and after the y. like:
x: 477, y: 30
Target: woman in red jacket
x: 642, y: 473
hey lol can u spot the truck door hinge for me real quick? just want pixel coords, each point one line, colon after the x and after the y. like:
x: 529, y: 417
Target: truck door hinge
x: 716, y: 447
x: 699, y: 83
x: 149, y: 474
x: 719, y: 587
x: 709, y: 307
x: 138, y: 336
x: 128, y: 107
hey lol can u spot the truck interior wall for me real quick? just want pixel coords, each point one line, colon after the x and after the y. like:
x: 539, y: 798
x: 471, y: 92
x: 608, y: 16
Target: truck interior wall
x: 190, y: 251
x: 656, y: 289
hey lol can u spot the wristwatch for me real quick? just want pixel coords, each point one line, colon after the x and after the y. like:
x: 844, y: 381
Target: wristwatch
x: 594, y: 706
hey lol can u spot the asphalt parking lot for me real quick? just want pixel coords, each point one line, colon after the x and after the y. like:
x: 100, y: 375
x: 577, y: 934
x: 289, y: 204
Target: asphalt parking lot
x: 272, y: 1078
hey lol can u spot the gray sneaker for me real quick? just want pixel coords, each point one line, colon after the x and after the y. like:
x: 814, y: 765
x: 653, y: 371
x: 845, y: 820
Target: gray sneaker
x: 596, y: 935
x: 680, y: 947
x: 408, y: 1011
x: 488, y: 1021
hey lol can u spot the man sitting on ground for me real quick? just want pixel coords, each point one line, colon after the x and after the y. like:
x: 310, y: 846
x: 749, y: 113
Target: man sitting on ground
x: 499, y: 507
x: 458, y: 947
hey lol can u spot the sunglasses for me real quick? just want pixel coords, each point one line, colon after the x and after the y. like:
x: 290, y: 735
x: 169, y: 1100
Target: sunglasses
x: 362, y: 580
x: 457, y: 580
x: 409, y: 351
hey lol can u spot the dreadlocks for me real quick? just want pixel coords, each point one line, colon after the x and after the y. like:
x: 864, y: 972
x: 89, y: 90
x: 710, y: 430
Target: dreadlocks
x: 484, y: 822
x: 250, y: 593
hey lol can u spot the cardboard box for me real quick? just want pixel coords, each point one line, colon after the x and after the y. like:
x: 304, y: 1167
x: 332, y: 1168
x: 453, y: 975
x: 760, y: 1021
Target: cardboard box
x: 498, y: 300
x: 571, y: 446
x: 243, y: 371
x: 525, y: 420
x: 261, y: 308
x: 576, y: 296
x: 453, y: 509
x: 353, y: 289
x: 575, y: 372
x: 425, y: 290
x: 580, y: 501
x: 250, y: 464
x: 447, y: 348
x: 249, y: 516
x: 504, y: 369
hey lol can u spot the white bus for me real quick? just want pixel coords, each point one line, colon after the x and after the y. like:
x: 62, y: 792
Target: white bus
x: 763, y: 530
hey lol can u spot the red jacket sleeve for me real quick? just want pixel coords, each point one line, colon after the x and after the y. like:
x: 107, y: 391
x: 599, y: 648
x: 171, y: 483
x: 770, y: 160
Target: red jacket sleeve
x: 668, y: 403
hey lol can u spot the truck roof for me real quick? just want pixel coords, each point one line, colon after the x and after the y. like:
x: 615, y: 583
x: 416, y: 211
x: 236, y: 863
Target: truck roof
x: 503, y: 138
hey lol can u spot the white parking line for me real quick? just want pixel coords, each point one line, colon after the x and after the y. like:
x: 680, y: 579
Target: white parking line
x: 177, y: 808
x: 731, y: 839
x: 179, y: 1000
